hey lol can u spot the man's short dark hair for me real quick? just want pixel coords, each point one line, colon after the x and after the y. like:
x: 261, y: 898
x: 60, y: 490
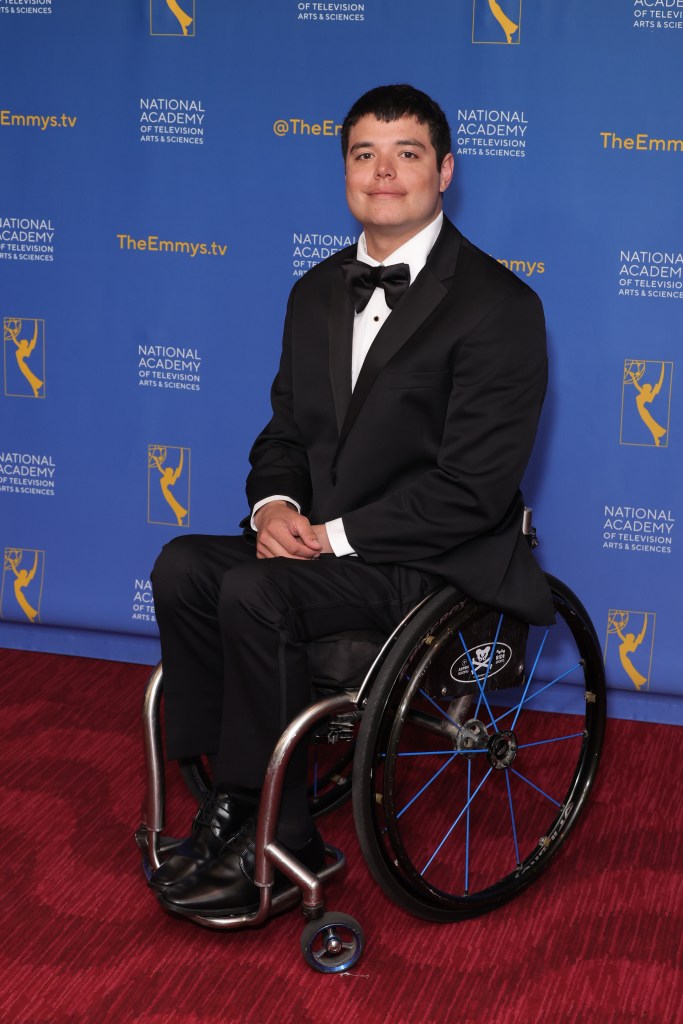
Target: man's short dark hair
x: 391, y: 102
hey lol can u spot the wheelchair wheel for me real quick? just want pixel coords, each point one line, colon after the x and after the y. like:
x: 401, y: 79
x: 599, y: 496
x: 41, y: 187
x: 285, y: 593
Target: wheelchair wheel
x: 477, y: 749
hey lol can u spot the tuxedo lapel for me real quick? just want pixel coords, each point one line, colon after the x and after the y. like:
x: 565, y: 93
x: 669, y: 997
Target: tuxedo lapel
x: 341, y: 337
x: 421, y: 299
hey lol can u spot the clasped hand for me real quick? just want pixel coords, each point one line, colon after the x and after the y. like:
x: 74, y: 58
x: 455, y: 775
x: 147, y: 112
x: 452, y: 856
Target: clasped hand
x: 282, y: 532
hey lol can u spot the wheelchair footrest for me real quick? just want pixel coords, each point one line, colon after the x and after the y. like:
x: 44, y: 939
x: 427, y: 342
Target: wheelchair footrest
x: 284, y: 900
x: 166, y: 843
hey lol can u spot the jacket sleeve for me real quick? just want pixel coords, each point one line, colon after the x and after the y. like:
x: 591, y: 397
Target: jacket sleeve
x: 278, y: 457
x: 499, y: 382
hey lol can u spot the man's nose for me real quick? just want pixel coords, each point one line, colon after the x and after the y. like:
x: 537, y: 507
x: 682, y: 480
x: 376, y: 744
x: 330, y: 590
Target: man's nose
x: 385, y: 168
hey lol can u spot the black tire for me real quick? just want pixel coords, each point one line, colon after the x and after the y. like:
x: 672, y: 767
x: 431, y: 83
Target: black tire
x: 333, y: 943
x: 455, y: 818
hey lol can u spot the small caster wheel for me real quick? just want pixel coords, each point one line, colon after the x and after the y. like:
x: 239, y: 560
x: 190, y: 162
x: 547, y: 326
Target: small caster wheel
x: 333, y: 943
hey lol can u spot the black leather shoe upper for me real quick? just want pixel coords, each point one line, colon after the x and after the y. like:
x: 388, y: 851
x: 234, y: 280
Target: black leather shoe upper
x: 225, y: 885
x: 217, y: 820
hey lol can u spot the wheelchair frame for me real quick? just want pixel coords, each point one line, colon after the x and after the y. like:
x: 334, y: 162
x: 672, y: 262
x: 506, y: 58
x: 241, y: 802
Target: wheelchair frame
x: 338, y: 955
x: 333, y: 942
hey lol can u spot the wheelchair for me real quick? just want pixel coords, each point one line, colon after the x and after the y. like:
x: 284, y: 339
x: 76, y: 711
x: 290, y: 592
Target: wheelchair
x: 469, y: 747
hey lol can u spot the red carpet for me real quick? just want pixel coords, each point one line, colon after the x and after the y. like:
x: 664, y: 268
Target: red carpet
x: 599, y: 938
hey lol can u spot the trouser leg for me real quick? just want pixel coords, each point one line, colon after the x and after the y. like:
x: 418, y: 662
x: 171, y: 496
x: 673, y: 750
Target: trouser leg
x: 186, y: 583
x: 233, y: 634
x: 268, y: 610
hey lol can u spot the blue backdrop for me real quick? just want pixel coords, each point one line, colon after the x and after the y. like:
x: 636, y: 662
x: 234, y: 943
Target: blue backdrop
x: 158, y: 154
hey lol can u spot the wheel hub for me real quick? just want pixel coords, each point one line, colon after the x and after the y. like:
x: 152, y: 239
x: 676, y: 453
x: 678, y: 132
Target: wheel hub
x: 501, y: 750
x: 471, y: 736
x: 333, y: 944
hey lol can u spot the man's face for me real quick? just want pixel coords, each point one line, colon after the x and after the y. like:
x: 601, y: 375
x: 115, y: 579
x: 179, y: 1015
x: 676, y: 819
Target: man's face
x: 393, y: 184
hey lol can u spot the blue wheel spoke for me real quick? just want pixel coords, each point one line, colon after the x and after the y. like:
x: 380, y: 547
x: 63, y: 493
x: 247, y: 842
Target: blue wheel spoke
x: 474, y: 672
x: 537, y: 788
x: 441, y: 710
x: 531, y: 676
x: 437, y: 753
x: 512, y: 818
x: 467, y: 828
x: 553, y: 739
x: 426, y: 785
x: 557, y: 679
x: 469, y: 801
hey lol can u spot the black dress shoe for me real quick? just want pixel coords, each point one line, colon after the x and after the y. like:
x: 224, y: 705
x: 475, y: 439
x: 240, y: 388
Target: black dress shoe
x: 225, y: 886
x: 219, y: 818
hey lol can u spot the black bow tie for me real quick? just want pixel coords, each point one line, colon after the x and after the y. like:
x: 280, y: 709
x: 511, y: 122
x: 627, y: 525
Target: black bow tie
x: 362, y: 279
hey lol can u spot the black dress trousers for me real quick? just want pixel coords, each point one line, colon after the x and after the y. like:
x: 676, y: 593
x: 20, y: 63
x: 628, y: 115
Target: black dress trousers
x: 233, y: 632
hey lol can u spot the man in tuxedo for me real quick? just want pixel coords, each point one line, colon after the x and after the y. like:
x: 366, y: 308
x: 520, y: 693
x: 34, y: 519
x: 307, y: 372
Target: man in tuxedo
x: 405, y: 407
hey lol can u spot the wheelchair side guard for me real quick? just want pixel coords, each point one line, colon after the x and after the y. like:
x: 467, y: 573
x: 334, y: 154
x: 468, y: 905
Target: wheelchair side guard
x: 493, y: 656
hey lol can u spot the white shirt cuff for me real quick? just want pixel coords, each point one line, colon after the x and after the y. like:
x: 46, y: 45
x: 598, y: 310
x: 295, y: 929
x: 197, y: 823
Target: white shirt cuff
x: 336, y: 534
x: 264, y: 501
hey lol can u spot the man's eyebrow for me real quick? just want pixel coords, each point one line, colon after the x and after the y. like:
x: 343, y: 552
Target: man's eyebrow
x: 398, y: 142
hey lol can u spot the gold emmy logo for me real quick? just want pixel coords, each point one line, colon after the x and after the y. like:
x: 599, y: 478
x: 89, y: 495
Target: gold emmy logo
x: 635, y: 655
x: 168, y: 485
x: 646, y: 402
x: 491, y: 21
x: 24, y: 357
x: 171, y: 17
x: 22, y: 584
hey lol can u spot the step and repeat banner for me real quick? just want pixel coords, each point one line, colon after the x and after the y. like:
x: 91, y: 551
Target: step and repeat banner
x: 171, y: 167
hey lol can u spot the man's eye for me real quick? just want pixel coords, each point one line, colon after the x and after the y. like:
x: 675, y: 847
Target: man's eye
x: 364, y: 156
x: 409, y: 153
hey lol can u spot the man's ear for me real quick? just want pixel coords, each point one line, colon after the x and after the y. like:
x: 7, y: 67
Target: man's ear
x: 446, y: 173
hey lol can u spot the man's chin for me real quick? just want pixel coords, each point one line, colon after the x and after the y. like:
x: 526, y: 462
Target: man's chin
x: 387, y: 216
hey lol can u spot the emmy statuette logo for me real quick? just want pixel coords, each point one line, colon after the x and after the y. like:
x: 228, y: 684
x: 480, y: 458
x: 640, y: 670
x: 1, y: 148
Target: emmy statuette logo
x: 24, y: 357
x: 172, y: 17
x: 494, y: 22
x: 168, y: 485
x: 22, y: 584
x: 629, y: 646
x: 646, y: 402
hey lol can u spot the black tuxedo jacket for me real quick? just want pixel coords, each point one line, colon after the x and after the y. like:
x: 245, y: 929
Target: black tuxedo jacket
x: 424, y: 459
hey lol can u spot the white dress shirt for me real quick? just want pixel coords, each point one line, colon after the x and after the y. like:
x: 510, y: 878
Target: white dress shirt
x: 366, y: 326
